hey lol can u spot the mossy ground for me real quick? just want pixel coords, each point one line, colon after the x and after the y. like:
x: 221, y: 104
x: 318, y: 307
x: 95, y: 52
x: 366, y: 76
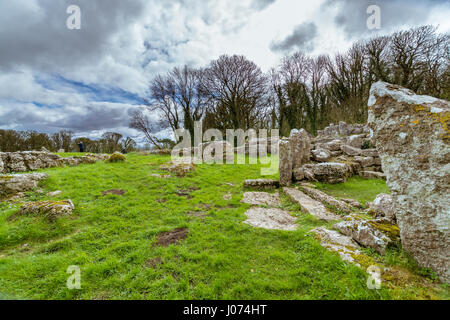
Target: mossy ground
x: 112, y: 239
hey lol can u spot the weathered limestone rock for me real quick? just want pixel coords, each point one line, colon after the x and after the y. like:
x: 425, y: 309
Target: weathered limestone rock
x: 262, y: 198
x: 300, y: 147
x: 49, y: 209
x: 321, y: 155
x: 323, y: 197
x: 413, y: 140
x: 334, y: 145
x: 369, y: 153
x: 17, y: 183
x: 332, y: 240
x: 363, y: 233
x: 285, y: 162
x: 355, y: 140
x: 34, y: 160
x: 383, y: 207
x: 366, y: 174
x: 365, y: 161
x: 299, y: 174
x: 261, y: 184
x: 313, y: 207
x: 270, y: 218
x: 329, y: 172
x: 351, y: 151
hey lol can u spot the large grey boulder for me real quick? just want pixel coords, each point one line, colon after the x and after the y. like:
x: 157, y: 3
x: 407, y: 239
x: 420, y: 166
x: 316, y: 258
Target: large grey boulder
x: 413, y: 140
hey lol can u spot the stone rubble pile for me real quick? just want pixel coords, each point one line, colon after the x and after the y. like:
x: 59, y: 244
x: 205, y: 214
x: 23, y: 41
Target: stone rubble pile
x: 337, y: 153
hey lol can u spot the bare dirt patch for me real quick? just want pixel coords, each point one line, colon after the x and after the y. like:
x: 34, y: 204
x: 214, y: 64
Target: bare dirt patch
x: 171, y: 237
x: 161, y: 200
x: 117, y: 192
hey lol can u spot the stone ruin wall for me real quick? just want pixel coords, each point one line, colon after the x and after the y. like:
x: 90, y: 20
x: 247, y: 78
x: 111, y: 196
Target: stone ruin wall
x: 338, y: 152
x: 11, y: 162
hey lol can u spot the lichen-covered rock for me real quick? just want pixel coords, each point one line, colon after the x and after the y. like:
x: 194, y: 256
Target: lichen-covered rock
x: 313, y: 207
x: 332, y: 240
x: 262, y: 183
x: 17, y: 183
x: 49, y: 209
x: 178, y: 168
x: 413, y: 140
x: 365, y: 162
x: 285, y: 162
x: 383, y: 207
x: 325, y: 198
x: 364, y: 233
x: 334, y: 145
x: 329, y: 172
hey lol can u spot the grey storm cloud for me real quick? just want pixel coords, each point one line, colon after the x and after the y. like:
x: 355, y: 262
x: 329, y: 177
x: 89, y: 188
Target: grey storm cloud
x: 87, y: 118
x: 302, y: 38
x: 352, y: 14
x: 37, y: 36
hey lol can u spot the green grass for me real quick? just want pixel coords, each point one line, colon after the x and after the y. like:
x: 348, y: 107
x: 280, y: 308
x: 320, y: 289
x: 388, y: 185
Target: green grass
x: 362, y: 190
x: 112, y: 238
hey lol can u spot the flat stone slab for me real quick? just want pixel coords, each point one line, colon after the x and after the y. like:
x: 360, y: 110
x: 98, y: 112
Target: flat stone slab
x: 323, y: 197
x: 313, y: 207
x: 270, y: 218
x: 262, y: 183
x: 262, y: 198
x: 332, y: 240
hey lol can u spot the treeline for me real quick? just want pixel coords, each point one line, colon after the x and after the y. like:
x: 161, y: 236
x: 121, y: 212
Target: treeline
x: 11, y: 141
x: 302, y: 91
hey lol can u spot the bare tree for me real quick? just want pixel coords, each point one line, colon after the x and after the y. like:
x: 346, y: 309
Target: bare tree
x: 236, y: 87
x: 142, y: 123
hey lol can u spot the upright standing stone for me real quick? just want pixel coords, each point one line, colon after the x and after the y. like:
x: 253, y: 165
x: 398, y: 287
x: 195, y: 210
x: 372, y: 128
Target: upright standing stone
x: 413, y: 140
x: 285, y: 162
x: 300, y: 147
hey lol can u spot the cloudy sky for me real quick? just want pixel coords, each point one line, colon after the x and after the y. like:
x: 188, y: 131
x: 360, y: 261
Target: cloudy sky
x: 89, y: 80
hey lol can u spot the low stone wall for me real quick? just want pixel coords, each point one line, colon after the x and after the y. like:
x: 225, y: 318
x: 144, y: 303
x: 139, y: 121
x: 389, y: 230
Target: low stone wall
x: 24, y: 161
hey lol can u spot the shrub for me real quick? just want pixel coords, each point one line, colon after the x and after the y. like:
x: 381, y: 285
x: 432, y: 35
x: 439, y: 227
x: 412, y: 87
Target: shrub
x: 117, y: 157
